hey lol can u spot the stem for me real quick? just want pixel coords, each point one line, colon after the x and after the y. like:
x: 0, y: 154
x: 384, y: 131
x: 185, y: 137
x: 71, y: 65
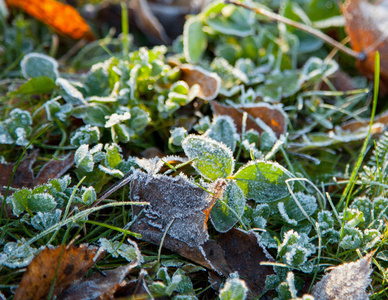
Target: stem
x: 303, y: 27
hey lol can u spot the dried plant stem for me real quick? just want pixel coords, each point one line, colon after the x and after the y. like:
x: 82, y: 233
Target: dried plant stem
x: 303, y: 27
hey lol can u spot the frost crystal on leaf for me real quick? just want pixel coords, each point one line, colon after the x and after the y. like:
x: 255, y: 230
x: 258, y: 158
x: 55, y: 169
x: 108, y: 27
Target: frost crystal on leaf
x: 234, y: 288
x: 176, y: 205
x: 346, y: 281
x: 212, y: 159
x: 37, y: 64
x: 263, y: 181
x: 224, y: 130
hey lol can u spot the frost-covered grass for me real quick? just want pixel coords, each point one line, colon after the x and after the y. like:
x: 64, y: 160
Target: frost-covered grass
x: 314, y: 192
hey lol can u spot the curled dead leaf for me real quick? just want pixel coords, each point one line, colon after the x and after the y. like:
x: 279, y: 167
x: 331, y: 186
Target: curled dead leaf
x: 147, y: 22
x: 101, y: 286
x: 379, y: 124
x: 366, y: 26
x: 181, y: 208
x: 60, y: 266
x: 209, y: 82
x: 272, y: 116
x: 24, y: 175
x: 346, y: 281
x: 63, y: 18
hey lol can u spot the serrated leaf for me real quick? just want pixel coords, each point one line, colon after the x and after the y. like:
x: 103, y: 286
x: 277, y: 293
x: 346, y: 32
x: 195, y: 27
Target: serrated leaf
x: 194, y: 40
x: 213, y: 160
x: 38, y: 65
x: 227, y: 211
x: 263, y: 181
x: 36, y: 86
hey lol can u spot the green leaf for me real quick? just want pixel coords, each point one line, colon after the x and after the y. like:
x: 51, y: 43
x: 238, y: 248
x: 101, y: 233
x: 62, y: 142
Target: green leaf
x: 224, y: 130
x: 113, y: 156
x: 194, y: 40
x: 227, y: 211
x: 234, y: 289
x: 35, y: 86
x: 83, y: 159
x: 263, y: 181
x: 212, y: 159
x: 232, y: 21
x: 38, y: 65
x: 93, y: 114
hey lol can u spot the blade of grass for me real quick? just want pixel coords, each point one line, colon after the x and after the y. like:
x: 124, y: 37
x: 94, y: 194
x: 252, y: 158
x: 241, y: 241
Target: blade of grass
x: 349, y: 188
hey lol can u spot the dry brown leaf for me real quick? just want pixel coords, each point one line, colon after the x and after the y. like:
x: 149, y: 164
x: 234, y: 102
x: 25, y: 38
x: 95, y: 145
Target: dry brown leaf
x: 271, y: 115
x: 147, y: 22
x: 136, y: 289
x: 346, y: 281
x: 24, y: 175
x: 209, y: 82
x: 379, y: 123
x: 366, y: 25
x: 176, y: 205
x: 63, y: 18
x: 99, y: 286
x: 244, y: 253
x: 62, y: 265
x: 181, y: 208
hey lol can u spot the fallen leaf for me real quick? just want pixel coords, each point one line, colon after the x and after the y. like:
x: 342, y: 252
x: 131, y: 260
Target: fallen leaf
x: 244, y: 253
x: 63, y: 18
x: 272, y: 116
x: 99, y: 285
x: 209, y: 82
x: 147, y: 22
x: 379, y: 123
x: 61, y: 265
x: 136, y: 289
x: 24, y: 175
x: 176, y: 204
x: 346, y: 281
x: 366, y: 26
x: 181, y: 208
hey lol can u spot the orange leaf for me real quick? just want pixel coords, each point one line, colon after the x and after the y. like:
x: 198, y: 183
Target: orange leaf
x: 61, y: 265
x: 63, y: 18
x: 365, y: 25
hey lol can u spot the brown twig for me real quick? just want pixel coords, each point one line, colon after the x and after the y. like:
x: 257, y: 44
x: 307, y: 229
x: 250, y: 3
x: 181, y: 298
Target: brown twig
x: 303, y: 27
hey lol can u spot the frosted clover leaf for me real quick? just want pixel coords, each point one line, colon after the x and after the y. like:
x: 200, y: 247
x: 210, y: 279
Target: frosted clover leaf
x: 211, y: 159
x: 16, y: 128
x: 224, y: 130
x: 234, y: 288
x: 116, y: 249
x: 352, y: 238
x: 84, y: 159
x: 37, y: 65
x: 295, y: 248
x: 42, y: 221
x: 85, y: 135
x: 32, y: 201
x: 177, y: 136
x: 263, y: 181
x: 17, y: 254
